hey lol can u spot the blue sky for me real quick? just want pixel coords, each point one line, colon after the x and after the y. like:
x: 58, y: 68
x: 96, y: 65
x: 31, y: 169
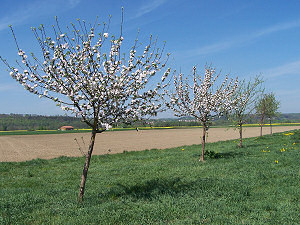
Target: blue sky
x: 242, y: 38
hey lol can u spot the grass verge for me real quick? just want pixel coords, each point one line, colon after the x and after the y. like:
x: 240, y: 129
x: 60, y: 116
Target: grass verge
x: 258, y: 184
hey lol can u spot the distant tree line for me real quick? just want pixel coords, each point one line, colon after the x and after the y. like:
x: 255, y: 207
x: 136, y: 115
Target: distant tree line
x: 38, y: 122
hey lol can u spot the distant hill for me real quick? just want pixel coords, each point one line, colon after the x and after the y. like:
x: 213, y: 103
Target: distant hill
x: 289, y: 117
x: 39, y: 122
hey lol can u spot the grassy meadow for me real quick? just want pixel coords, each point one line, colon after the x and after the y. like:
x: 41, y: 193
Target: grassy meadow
x: 257, y: 184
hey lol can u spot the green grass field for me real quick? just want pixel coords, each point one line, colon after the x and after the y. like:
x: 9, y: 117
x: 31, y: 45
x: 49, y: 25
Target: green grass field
x: 258, y: 184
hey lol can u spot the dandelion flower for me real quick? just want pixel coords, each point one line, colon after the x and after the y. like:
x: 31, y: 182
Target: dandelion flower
x: 182, y: 149
x: 276, y: 161
x: 287, y: 134
x: 282, y: 150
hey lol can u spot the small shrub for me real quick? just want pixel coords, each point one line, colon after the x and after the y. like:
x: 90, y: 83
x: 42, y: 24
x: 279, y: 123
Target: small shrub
x: 212, y: 154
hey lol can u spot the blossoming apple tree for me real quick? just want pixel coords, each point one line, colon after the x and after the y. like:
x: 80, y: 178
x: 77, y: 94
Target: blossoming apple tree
x: 198, y: 98
x: 85, y: 72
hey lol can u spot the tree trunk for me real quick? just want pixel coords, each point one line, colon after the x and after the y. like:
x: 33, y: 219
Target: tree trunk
x: 271, y: 126
x: 203, y: 142
x: 241, y: 135
x: 261, y: 126
x: 86, y: 166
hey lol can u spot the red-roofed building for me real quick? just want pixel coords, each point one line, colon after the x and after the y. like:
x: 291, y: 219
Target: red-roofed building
x: 67, y: 128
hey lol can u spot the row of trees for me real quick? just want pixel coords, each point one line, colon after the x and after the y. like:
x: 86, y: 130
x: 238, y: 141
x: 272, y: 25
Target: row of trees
x: 100, y: 87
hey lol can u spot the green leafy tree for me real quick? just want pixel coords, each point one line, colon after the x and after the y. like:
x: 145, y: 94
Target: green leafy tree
x: 266, y: 108
x: 246, y: 95
x: 272, y: 109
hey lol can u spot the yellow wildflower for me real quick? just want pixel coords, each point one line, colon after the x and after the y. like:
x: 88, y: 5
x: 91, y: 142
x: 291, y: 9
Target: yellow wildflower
x: 276, y: 161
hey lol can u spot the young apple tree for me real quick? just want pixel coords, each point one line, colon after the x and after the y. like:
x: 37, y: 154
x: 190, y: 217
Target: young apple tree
x: 85, y: 72
x: 246, y: 95
x: 272, y: 110
x: 266, y: 107
x: 197, y: 97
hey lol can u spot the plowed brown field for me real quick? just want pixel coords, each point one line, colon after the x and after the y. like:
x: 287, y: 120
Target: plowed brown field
x: 27, y: 147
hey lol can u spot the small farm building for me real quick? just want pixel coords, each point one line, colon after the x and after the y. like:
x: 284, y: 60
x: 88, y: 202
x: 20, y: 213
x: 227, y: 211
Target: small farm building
x: 67, y: 128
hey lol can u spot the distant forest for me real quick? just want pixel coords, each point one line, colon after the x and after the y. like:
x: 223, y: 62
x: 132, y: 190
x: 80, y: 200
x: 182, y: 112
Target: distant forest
x: 38, y: 122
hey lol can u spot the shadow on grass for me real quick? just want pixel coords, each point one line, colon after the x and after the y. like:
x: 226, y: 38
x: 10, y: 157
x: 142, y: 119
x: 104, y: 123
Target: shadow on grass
x: 148, y: 190
x: 216, y: 155
x: 235, y: 154
x: 153, y: 189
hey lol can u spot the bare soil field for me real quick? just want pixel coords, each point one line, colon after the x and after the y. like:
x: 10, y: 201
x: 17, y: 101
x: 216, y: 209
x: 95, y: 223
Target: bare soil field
x: 27, y: 147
